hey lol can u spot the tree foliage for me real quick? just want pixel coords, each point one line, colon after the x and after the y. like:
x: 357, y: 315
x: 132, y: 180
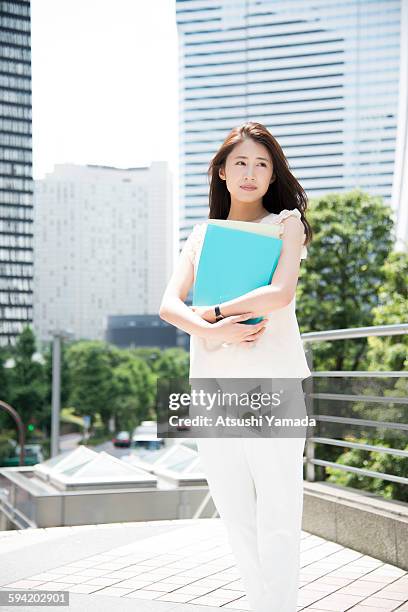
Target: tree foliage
x: 26, y: 387
x: 390, y: 353
x: 352, y: 278
x: 341, y: 277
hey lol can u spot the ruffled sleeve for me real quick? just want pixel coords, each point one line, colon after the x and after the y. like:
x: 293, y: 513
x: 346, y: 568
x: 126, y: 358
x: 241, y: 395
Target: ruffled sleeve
x: 284, y: 214
x: 193, y: 242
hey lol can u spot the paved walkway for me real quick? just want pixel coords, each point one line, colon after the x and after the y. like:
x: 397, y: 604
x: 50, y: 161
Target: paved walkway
x: 183, y: 566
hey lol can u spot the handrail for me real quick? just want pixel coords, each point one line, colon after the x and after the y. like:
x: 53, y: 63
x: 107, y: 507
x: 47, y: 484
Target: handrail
x: 339, y: 334
x: 357, y: 445
x: 347, y: 397
x: 396, y: 329
x: 359, y: 373
x: 361, y: 472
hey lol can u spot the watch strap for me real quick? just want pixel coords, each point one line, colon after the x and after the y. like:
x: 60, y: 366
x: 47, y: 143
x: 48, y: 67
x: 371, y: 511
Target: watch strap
x: 218, y: 314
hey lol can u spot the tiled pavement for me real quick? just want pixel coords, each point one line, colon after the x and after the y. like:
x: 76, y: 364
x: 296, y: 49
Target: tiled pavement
x: 190, y: 568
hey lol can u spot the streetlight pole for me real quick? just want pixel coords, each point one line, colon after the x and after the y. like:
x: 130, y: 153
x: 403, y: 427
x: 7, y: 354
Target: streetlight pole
x: 57, y: 336
x: 20, y: 427
x: 56, y: 393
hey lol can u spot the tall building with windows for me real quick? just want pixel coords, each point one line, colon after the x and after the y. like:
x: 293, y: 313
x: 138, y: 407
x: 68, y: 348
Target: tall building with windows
x: 400, y: 184
x: 322, y: 76
x: 16, y: 185
x: 103, y: 246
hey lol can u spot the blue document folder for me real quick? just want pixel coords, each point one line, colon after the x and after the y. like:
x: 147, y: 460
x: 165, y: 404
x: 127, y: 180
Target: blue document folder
x: 235, y: 261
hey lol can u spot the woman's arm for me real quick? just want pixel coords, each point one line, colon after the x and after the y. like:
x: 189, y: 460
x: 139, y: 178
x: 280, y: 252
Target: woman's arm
x: 175, y: 311
x: 281, y: 291
x: 172, y: 307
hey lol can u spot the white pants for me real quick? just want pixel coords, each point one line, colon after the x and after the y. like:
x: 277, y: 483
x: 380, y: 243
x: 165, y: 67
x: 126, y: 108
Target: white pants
x: 257, y: 487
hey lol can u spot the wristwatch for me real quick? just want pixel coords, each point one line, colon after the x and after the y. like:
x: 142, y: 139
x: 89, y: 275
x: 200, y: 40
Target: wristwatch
x: 218, y: 315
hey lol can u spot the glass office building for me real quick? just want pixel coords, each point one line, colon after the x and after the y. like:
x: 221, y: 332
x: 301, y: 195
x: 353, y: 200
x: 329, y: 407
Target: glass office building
x: 323, y: 76
x: 16, y: 185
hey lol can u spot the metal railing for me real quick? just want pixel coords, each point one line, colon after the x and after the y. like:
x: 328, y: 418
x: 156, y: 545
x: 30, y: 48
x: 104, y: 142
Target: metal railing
x: 342, y: 334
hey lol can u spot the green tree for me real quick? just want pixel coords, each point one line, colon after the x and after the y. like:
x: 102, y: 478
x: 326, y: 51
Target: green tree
x: 110, y: 382
x: 134, y: 391
x: 370, y: 291
x: 149, y: 354
x: 27, y: 386
x: 390, y: 353
x: 4, y: 378
x: 340, y: 279
x: 90, y: 366
x: 173, y: 363
x: 386, y: 353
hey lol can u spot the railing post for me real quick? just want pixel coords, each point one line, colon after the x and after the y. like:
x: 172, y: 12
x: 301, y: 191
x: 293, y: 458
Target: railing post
x: 310, y: 445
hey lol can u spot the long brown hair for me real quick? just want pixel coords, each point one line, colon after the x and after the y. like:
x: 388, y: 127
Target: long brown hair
x: 284, y: 193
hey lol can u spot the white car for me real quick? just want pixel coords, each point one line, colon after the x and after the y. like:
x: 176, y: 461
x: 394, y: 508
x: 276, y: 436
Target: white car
x: 145, y: 436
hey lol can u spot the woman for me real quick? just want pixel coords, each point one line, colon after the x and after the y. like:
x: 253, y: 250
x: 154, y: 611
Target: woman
x: 256, y: 483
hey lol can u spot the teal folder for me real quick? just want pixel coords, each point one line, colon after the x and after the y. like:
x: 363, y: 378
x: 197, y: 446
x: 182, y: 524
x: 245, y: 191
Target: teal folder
x: 235, y: 261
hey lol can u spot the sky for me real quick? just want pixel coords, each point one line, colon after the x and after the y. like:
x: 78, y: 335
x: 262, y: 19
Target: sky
x: 104, y: 83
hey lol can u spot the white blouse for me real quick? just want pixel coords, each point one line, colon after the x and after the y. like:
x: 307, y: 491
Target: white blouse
x: 277, y: 353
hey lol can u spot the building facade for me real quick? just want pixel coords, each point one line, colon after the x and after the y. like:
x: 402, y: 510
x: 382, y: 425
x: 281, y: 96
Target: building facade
x: 322, y: 76
x: 400, y: 184
x: 134, y: 331
x: 16, y: 185
x: 103, y: 246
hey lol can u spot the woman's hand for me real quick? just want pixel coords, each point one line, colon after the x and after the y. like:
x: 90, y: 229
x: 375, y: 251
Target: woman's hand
x: 236, y: 332
x: 232, y: 331
x: 252, y: 339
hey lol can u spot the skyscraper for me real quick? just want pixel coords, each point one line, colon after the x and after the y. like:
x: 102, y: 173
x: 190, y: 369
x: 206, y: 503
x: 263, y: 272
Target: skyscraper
x: 322, y: 76
x: 16, y: 185
x: 400, y: 184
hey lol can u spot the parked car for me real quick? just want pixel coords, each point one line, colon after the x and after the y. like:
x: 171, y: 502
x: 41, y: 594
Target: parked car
x: 122, y: 439
x: 32, y: 455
